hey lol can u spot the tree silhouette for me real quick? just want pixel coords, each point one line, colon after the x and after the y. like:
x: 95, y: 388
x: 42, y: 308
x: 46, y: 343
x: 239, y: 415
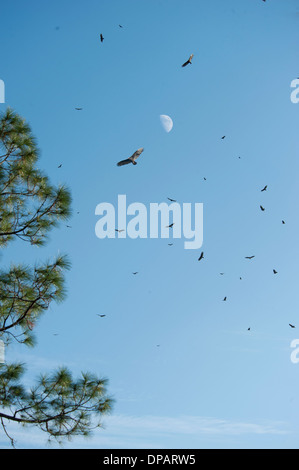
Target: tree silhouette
x: 29, y: 208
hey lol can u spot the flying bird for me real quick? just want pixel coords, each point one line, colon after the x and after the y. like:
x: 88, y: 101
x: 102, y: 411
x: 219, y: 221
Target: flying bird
x: 170, y: 244
x: 132, y: 158
x: 262, y: 208
x: 223, y: 137
x: 188, y: 61
x: 101, y: 37
x: 99, y: 315
x: 170, y: 226
x: 264, y: 189
x: 249, y: 257
x: 120, y: 26
x: 78, y: 109
x: 135, y: 273
x: 283, y: 222
x: 60, y: 166
x: 248, y: 329
x: 201, y: 256
x: 121, y: 230
x: 221, y: 274
x: 292, y: 326
x: 172, y: 200
x: 275, y: 272
x: 224, y: 300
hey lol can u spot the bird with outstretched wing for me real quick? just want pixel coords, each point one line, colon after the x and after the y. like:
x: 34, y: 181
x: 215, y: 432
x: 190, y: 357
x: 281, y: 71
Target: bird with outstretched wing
x: 188, y: 61
x: 132, y: 158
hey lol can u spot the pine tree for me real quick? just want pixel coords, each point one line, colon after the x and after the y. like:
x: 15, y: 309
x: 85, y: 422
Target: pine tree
x: 29, y: 208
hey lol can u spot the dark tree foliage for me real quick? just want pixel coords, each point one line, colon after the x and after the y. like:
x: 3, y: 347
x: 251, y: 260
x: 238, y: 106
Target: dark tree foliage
x: 29, y: 208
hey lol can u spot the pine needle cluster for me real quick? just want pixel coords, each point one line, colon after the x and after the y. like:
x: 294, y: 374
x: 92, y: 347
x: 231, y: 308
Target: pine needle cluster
x: 30, y: 207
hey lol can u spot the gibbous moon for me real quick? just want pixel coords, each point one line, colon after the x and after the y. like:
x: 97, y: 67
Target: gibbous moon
x: 166, y: 122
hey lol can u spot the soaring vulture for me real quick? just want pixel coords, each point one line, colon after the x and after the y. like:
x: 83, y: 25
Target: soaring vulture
x: 188, y: 61
x: 132, y: 158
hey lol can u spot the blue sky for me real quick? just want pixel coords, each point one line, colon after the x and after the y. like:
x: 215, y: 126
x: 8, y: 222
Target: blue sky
x: 211, y: 383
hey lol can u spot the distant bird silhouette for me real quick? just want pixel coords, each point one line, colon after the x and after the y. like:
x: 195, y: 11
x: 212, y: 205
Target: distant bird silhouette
x: 121, y: 230
x: 100, y: 315
x: 120, y: 26
x: 101, y: 37
x: 223, y: 137
x: 170, y: 244
x: 221, y: 274
x: 262, y: 208
x: 240, y: 279
x: 264, y: 189
x: 132, y: 158
x: 292, y: 326
x: 135, y: 273
x: 188, y: 61
x: 78, y: 109
x: 69, y: 226
x: 275, y: 272
x: 170, y: 226
x: 249, y: 257
x: 205, y: 179
x: 172, y: 200
x: 60, y: 165
x: 248, y: 329
x: 201, y: 256
x: 224, y: 300
x: 283, y: 222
